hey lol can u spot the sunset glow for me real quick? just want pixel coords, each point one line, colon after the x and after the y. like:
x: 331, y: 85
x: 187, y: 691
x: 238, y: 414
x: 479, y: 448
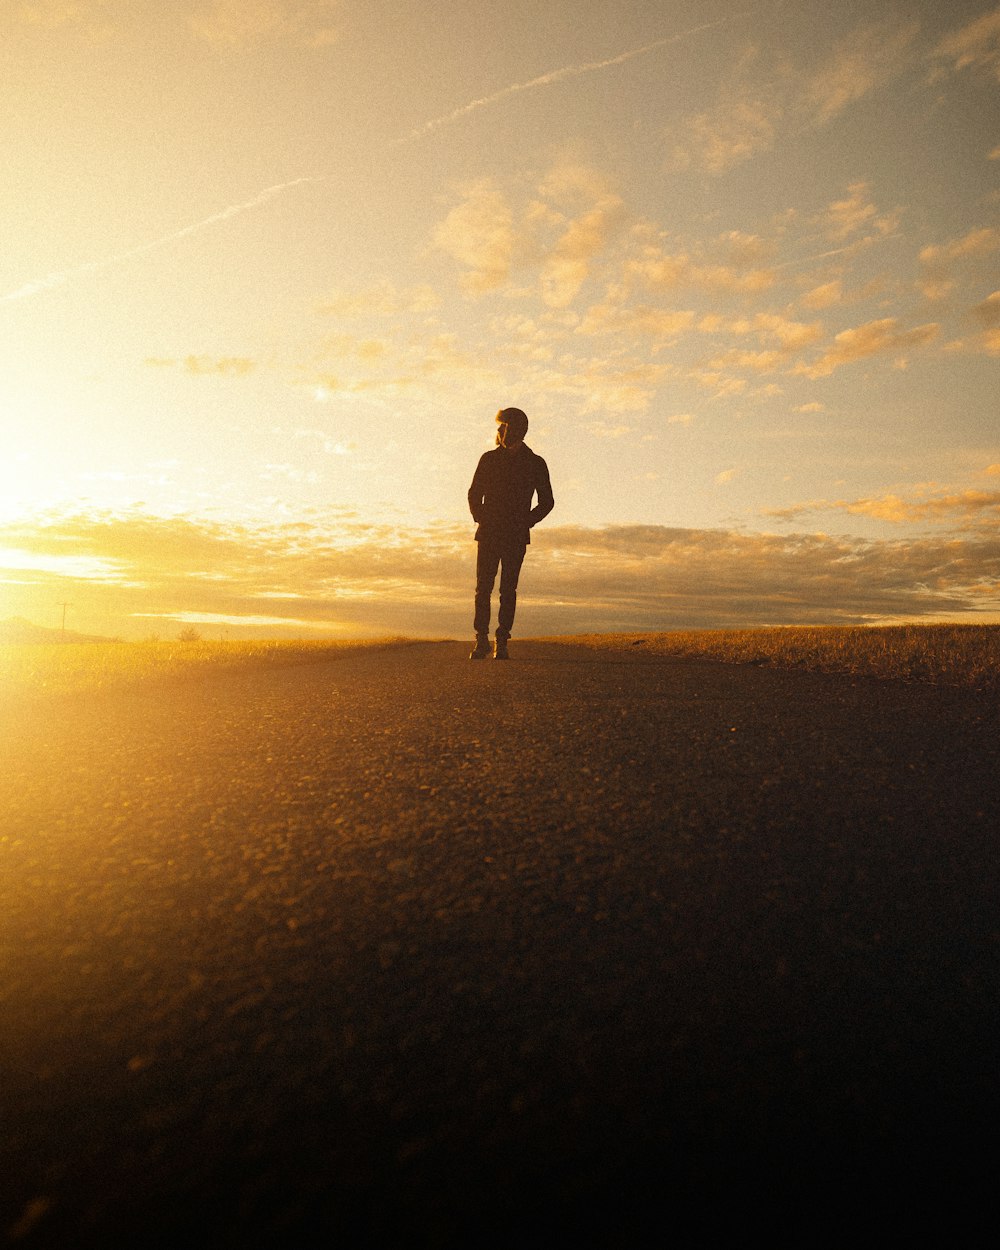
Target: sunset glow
x: 271, y: 267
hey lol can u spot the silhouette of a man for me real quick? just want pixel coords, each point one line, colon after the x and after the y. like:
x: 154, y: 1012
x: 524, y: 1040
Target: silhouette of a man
x: 505, y: 482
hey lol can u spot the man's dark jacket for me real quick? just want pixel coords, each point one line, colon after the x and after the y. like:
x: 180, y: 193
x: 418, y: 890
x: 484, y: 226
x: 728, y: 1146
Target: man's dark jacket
x: 501, y: 492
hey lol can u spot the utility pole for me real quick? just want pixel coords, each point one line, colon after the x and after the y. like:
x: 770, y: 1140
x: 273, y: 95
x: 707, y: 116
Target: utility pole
x: 64, y: 606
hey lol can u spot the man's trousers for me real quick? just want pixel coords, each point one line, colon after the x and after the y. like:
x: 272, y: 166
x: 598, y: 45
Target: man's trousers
x: 507, y: 557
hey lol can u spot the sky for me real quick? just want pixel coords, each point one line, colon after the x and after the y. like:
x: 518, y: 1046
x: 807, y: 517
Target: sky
x: 269, y: 268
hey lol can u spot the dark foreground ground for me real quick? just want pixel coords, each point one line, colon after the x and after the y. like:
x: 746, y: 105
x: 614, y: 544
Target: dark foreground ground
x: 586, y: 949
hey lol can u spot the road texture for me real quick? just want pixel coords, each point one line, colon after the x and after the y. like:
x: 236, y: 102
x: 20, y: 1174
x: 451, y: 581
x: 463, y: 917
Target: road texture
x: 587, y: 948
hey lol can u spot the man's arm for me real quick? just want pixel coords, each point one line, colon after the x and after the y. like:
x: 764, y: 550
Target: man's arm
x: 477, y: 491
x: 543, y: 488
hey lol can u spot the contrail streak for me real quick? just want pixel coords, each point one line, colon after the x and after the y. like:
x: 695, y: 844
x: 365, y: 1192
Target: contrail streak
x: 53, y: 280
x: 557, y: 75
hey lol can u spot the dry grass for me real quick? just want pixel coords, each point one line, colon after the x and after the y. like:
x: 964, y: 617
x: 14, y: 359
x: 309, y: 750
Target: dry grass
x: 947, y: 655
x: 46, y: 669
x: 953, y: 655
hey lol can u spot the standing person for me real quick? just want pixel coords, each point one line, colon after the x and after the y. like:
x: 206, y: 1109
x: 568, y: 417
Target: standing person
x: 500, y: 496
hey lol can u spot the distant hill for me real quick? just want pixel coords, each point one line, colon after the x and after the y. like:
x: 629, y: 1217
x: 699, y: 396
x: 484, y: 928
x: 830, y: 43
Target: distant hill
x: 17, y: 629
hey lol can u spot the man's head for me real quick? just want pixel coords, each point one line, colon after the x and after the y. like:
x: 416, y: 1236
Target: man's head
x: 512, y: 425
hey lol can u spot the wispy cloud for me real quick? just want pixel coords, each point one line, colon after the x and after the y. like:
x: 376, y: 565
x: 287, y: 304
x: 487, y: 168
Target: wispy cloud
x: 826, y: 295
x: 51, y: 14
x: 581, y: 237
x: 479, y: 233
x: 939, y: 261
x: 858, y: 65
x: 234, y: 22
x: 976, y: 45
x: 764, y: 98
x: 662, y: 325
x: 874, y: 338
x: 987, y: 313
x: 785, y: 334
x: 856, y: 213
x: 200, y: 365
x: 667, y: 271
x: 223, y: 22
x: 380, y: 299
x: 965, y: 508
x: 556, y: 235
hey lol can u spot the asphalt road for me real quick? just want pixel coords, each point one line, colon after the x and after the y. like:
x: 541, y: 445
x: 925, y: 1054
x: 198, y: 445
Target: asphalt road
x: 586, y: 948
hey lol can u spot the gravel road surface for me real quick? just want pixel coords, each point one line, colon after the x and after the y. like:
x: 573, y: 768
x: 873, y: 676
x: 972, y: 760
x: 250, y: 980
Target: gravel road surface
x: 587, y: 948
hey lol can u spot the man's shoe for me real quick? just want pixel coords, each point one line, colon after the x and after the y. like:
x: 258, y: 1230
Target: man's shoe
x: 500, y: 649
x: 481, y: 650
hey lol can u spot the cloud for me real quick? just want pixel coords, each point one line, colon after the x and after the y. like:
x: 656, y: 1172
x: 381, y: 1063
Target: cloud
x: 962, y: 508
x: 991, y: 342
x: 824, y: 296
x: 660, y: 324
x: 762, y: 100
x: 743, y: 250
x: 758, y: 362
x: 479, y: 234
x: 790, y: 336
x: 975, y: 45
x: 559, y: 233
x: 418, y: 366
x: 740, y: 128
x: 581, y: 238
x: 233, y: 22
x: 86, y: 568
x: 858, y: 65
x: 780, y: 337
x: 94, y: 18
x: 657, y: 269
x: 874, y: 338
x: 845, y: 217
x: 324, y: 568
x: 337, y: 571
x: 381, y: 299
x: 51, y: 13
x: 723, y: 387
x: 610, y: 383
x: 988, y: 312
x: 854, y: 222
x: 602, y: 429
x: 939, y: 261
x: 350, y: 347
x: 201, y: 365
x: 987, y: 341
x: 647, y: 576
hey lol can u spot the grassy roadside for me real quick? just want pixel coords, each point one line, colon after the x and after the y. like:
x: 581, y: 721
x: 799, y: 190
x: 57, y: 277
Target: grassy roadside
x: 949, y: 655
x: 966, y: 656
x: 74, y: 669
